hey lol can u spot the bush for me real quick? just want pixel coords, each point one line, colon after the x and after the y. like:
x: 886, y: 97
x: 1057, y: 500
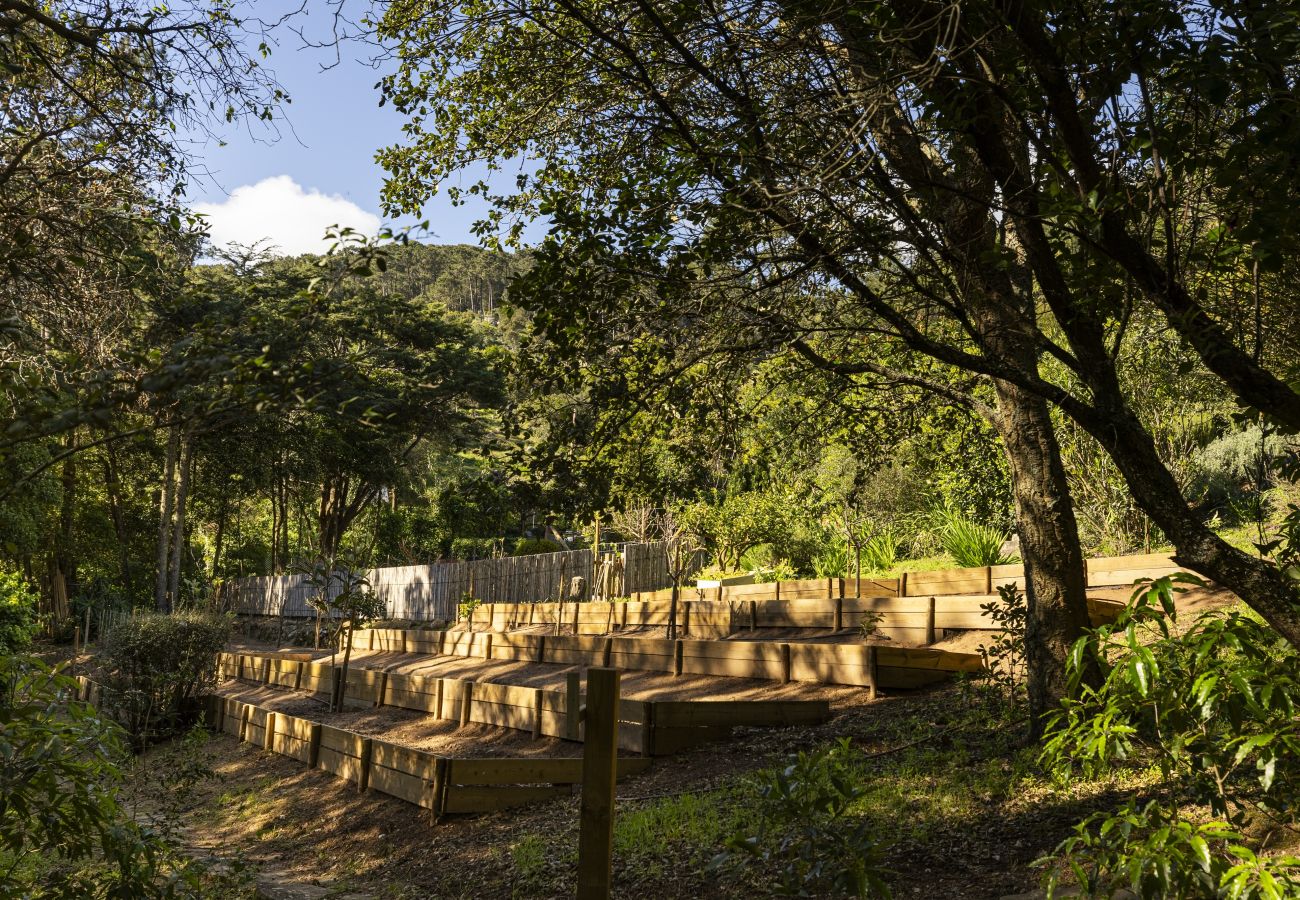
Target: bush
x: 880, y: 554
x: 64, y: 831
x: 157, y: 666
x: 533, y: 546
x: 1213, y: 711
x: 833, y: 560
x: 17, y: 613
x: 971, y: 544
x: 472, y: 548
x: 808, y: 832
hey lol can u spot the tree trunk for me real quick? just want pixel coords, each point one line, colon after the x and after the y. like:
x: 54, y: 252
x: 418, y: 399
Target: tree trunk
x: 1055, y: 572
x: 1259, y: 583
x: 165, y: 498
x: 178, y: 530
x: 63, y: 569
x: 113, y: 487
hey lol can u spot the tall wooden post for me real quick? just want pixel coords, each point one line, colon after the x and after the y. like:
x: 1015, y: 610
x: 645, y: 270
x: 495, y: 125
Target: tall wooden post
x: 599, y: 772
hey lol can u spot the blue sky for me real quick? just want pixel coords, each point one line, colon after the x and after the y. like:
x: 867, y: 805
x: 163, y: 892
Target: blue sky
x: 286, y: 183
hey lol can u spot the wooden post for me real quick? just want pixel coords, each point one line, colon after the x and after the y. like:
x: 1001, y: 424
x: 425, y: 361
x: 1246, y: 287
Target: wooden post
x: 902, y: 585
x: 776, y: 595
x: 297, y: 678
x: 266, y: 670
x: 577, y: 611
x: 873, y: 676
x: 437, y: 698
x: 988, y: 579
x: 487, y: 646
x: 677, y: 656
x: 929, y: 622
x: 785, y: 663
x: 572, y: 706
x: 538, y: 694
x: 648, y: 730
x: 363, y: 770
x: 753, y: 615
x: 607, y: 652
x: 76, y: 641
x: 541, y: 648
x: 439, y: 788
x: 268, y: 733
x: 830, y: 588
x: 313, y: 746
x: 383, y: 688
x: 85, y: 633
x: 243, y: 722
x: 839, y: 613
x: 466, y: 698
x: 599, y: 773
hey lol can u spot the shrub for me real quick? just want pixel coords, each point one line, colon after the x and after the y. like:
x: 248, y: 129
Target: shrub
x: 64, y: 831
x: 880, y: 554
x: 533, y: 546
x: 807, y: 830
x: 1005, y: 658
x: 971, y: 544
x: 833, y: 559
x: 1213, y: 710
x: 157, y: 665
x: 472, y: 547
x: 17, y: 613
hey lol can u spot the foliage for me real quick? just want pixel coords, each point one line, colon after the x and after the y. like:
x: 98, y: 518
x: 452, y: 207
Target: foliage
x: 1154, y: 854
x: 1213, y: 710
x: 533, y: 546
x: 971, y: 544
x: 807, y: 830
x: 736, y: 524
x: 473, y: 548
x: 1004, y: 659
x: 63, y: 830
x: 18, y: 623
x: 156, y: 667
x: 880, y: 552
x: 833, y: 560
x: 778, y: 570
x: 465, y: 608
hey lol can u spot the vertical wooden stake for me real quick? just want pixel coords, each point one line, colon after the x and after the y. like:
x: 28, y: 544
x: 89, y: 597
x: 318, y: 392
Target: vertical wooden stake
x: 577, y: 611
x: 572, y: 706
x: 599, y: 773
x: 988, y: 579
x: 266, y: 670
x: 541, y: 648
x: 363, y: 769
x: 437, y: 802
x: 466, y: 698
x: 753, y: 615
x: 268, y: 732
x: 487, y: 645
x: 243, y: 722
x: 873, y: 674
x: 839, y: 613
x: 313, y: 746
x: 607, y: 652
x: 76, y: 641
x: 929, y: 622
x: 437, y: 698
x: 648, y: 730
x: 902, y: 585
x: 785, y: 663
x: 677, y: 656
x: 538, y: 694
x: 686, y: 616
x: 776, y: 595
x: 383, y: 688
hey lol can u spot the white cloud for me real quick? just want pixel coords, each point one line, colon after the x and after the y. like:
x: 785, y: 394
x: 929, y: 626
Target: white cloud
x: 281, y: 212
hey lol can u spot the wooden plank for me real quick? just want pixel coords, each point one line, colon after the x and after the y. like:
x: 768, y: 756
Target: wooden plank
x: 494, y: 770
x: 730, y: 713
x: 402, y: 785
x: 472, y: 798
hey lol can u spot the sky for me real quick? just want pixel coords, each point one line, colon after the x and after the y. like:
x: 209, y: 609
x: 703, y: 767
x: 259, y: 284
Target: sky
x: 315, y: 168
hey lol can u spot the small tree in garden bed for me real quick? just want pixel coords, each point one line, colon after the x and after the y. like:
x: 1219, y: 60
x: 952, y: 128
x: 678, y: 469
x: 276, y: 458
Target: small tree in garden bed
x: 344, y: 593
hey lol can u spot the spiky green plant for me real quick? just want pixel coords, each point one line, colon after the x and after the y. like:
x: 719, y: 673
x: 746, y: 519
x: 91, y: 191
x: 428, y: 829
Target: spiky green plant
x: 971, y: 544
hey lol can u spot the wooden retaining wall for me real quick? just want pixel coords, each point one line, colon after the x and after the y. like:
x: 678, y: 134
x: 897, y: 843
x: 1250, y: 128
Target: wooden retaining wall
x: 439, y: 784
x: 907, y: 621
x: 550, y: 713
